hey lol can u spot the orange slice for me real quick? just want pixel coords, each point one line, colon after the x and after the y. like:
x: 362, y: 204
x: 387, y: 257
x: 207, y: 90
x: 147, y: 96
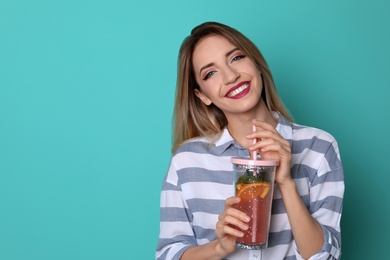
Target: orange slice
x: 253, y: 190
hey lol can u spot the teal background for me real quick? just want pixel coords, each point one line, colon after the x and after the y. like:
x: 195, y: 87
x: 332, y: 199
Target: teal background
x: 86, y: 98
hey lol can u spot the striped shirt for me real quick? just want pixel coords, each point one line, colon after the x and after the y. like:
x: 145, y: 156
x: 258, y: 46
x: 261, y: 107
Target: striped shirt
x: 200, y: 178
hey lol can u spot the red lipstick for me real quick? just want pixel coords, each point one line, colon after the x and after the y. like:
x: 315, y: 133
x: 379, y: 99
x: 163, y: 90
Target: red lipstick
x: 239, y: 90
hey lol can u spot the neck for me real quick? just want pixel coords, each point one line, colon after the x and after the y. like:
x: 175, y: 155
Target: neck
x: 240, y: 126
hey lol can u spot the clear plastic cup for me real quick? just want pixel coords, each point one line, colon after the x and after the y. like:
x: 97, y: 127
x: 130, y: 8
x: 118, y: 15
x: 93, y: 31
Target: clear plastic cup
x: 254, y: 184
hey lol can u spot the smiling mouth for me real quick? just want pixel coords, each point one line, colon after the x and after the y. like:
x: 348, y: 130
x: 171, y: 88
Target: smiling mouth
x: 238, y: 90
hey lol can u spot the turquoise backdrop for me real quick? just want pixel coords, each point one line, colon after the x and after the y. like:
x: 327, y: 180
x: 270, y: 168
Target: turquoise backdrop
x: 86, y: 98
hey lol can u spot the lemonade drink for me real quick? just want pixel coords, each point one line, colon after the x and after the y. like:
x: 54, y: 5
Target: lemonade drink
x: 254, y: 185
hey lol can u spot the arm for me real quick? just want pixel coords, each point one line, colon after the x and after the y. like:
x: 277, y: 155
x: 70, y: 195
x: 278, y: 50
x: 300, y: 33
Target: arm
x: 309, y: 226
x: 307, y: 232
x: 177, y: 239
x: 176, y: 233
x: 226, y: 234
x: 206, y: 251
x: 326, y: 197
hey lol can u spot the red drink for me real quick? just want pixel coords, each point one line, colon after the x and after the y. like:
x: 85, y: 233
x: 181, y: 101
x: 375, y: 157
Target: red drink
x: 256, y: 203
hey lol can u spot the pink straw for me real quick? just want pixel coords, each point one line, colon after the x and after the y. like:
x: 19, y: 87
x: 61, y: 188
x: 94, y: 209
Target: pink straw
x: 254, y: 153
x: 254, y: 201
x: 254, y: 219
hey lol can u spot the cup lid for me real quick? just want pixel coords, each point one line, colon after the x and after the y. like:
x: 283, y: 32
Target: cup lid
x: 259, y: 162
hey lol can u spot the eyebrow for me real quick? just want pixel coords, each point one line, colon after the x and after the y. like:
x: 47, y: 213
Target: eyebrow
x: 212, y: 63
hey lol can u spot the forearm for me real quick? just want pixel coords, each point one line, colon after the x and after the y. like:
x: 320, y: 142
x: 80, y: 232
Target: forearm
x: 209, y: 251
x: 307, y: 232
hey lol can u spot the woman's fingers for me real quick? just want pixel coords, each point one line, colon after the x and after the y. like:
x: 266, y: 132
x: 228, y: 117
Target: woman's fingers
x: 231, y: 219
x: 263, y: 125
x: 265, y: 130
x: 235, y: 218
x: 229, y: 202
x: 231, y: 215
x: 267, y: 135
x: 228, y: 230
x: 272, y: 145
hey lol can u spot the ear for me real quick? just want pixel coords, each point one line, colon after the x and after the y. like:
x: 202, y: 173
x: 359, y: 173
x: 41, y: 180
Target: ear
x: 203, y: 97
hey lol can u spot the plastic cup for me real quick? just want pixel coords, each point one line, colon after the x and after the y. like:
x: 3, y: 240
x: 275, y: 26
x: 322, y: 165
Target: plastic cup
x: 254, y: 184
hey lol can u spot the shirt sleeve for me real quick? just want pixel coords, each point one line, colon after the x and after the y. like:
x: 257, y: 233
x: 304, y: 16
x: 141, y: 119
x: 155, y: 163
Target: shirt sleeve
x: 326, y: 202
x: 176, y: 233
x: 330, y: 249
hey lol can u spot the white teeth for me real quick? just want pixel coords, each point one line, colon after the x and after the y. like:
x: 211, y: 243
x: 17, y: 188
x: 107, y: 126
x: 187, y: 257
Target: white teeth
x: 238, y: 91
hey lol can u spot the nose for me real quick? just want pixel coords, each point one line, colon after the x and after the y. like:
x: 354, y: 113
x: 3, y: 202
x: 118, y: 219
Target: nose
x: 230, y: 75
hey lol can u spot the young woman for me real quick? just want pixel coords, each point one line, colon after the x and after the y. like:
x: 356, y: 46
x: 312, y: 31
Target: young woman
x: 225, y: 87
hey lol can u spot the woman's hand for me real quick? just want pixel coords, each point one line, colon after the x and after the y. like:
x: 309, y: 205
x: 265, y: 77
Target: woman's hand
x: 226, y: 231
x: 271, y: 145
x: 307, y: 232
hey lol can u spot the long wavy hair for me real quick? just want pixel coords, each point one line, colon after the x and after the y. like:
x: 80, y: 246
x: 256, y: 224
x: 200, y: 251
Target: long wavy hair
x: 192, y: 118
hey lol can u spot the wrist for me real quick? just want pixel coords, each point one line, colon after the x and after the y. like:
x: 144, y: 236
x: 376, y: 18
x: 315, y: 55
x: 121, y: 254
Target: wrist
x: 220, y: 252
x: 287, y: 186
x: 209, y: 251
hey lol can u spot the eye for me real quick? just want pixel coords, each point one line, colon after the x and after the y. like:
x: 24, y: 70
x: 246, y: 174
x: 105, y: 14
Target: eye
x: 208, y: 75
x: 238, y: 57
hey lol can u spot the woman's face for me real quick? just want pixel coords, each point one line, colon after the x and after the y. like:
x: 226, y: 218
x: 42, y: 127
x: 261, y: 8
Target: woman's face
x: 226, y: 76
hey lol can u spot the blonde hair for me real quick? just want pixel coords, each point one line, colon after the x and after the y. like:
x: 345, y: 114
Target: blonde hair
x: 192, y: 118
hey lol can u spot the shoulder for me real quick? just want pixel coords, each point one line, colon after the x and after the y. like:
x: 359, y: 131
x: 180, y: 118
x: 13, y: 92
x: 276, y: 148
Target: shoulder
x: 301, y: 132
x: 215, y: 145
x: 315, y: 147
x: 195, y: 153
x: 302, y: 136
x: 197, y: 159
x: 314, y: 143
x: 195, y: 145
x: 297, y: 132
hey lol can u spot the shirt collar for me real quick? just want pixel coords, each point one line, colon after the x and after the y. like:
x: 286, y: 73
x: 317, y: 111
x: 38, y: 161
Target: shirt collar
x: 224, y: 141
